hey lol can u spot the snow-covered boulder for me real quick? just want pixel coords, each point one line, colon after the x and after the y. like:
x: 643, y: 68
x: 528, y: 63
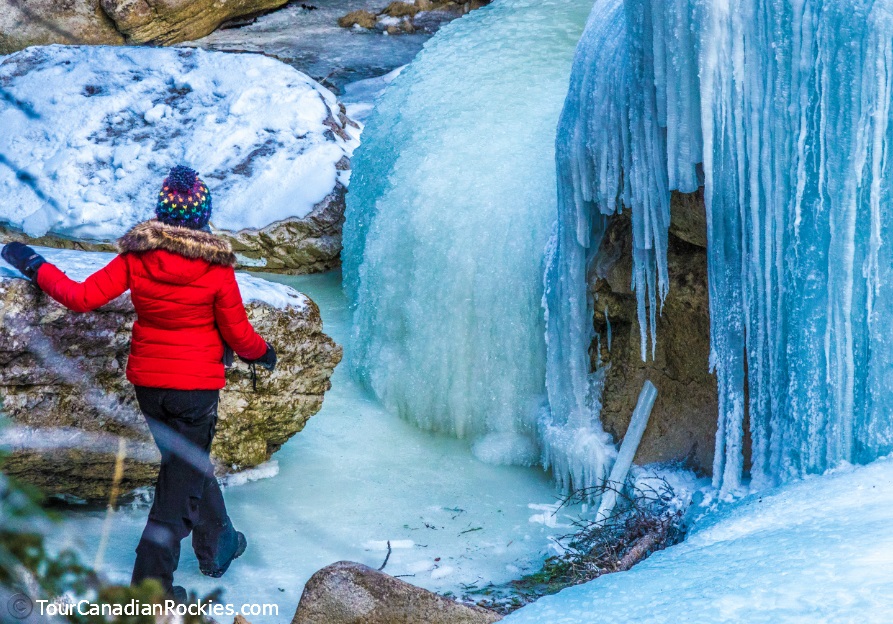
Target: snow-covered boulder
x: 99, y: 128
x: 63, y: 389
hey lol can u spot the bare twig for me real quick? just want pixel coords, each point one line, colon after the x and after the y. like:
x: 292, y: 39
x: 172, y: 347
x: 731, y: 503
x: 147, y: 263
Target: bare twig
x: 28, y: 180
x: 113, y: 501
x: 26, y: 108
x: 388, y: 556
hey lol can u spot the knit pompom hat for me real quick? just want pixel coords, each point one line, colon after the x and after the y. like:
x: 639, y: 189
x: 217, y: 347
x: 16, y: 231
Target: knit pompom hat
x: 184, y: 199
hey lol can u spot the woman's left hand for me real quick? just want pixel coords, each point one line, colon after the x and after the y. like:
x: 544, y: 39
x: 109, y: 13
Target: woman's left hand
x: 23, y: 258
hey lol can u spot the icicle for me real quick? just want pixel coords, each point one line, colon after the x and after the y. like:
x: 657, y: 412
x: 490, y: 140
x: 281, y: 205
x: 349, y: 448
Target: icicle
x: 786, y: 107
x: 634, y: 433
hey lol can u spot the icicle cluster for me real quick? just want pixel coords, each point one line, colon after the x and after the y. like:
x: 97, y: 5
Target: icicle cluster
x: 782, y: 111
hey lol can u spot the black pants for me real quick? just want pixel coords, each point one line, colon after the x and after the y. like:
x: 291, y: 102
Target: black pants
x: 187, y: 496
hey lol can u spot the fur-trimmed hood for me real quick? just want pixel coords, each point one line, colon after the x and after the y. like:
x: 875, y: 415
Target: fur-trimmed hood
x: 189, y: 243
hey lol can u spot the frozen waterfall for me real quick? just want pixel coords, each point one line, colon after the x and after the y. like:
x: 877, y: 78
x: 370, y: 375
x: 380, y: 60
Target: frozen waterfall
x: 781, y: 110
x: 448, y: 216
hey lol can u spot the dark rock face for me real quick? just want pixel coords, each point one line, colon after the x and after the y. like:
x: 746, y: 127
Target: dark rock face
x: 689, y: 218
x: 64, y: 392
x: 351, y: 593
x: 683, y: 422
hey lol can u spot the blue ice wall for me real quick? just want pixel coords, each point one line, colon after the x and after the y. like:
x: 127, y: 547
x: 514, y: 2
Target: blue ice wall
x: 449, y: 212
x: 782, y: 111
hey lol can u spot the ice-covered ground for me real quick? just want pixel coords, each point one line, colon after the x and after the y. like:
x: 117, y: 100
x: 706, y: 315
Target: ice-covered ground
x: 817, y: 550
x: 107, y: 123
x: 356, y: 477
x: 78, y: 265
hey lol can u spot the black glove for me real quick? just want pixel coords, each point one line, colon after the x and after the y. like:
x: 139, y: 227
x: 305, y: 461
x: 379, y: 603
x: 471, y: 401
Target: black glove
x: 267, y: 360
x: 23, y: 258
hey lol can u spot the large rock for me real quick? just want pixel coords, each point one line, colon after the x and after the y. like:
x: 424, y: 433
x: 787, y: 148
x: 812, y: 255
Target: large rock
x: 25, y: 23
x: 272, y: 145
x: 351, y: 593
x: 63, y: 388
x: 39, y: 22
x: 164, y: 22
x: 683, y: 422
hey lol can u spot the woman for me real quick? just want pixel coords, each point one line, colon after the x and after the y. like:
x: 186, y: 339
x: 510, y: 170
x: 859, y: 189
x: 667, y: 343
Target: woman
x: 188, y: 308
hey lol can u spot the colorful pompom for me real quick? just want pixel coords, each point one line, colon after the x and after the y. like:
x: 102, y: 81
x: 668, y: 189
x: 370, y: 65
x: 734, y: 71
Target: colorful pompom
x: 184, y: 199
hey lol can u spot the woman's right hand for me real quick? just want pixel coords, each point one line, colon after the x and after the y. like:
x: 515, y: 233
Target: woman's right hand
x: 267, y: 360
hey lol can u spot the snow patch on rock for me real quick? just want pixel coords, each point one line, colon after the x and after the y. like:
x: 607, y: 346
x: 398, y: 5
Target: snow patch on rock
x: 79, y: 265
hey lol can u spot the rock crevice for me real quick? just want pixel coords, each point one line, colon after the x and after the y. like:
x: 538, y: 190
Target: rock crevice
x: 683, y: 423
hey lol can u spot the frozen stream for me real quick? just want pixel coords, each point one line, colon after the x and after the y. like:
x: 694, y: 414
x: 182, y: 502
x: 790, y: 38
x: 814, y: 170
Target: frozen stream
x: 356, y: 477
x: 312, y: 42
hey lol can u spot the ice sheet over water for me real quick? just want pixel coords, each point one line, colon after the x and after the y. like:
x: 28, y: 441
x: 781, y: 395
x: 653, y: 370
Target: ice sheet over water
x: 781, y: 110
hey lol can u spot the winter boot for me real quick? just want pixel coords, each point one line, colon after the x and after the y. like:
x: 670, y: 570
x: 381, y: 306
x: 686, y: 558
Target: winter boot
x: 178, y: 593
x: 220, y: 570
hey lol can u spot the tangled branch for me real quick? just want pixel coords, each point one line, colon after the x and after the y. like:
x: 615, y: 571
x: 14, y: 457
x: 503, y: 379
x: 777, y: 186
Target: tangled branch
x: 645, y: 520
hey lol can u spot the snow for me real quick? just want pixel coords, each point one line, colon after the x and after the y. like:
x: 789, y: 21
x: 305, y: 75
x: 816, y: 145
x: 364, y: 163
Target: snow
x: 266, y: 470
x: 360, y: 96
x: 113, y: 120
x: 355, y: 478
x: 782, y: 112
x: 79, y: 265
x: 451, y: 203
x: 816, y: 550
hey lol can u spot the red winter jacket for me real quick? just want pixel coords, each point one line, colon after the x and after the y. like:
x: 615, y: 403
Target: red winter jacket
x: 184, y: 289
